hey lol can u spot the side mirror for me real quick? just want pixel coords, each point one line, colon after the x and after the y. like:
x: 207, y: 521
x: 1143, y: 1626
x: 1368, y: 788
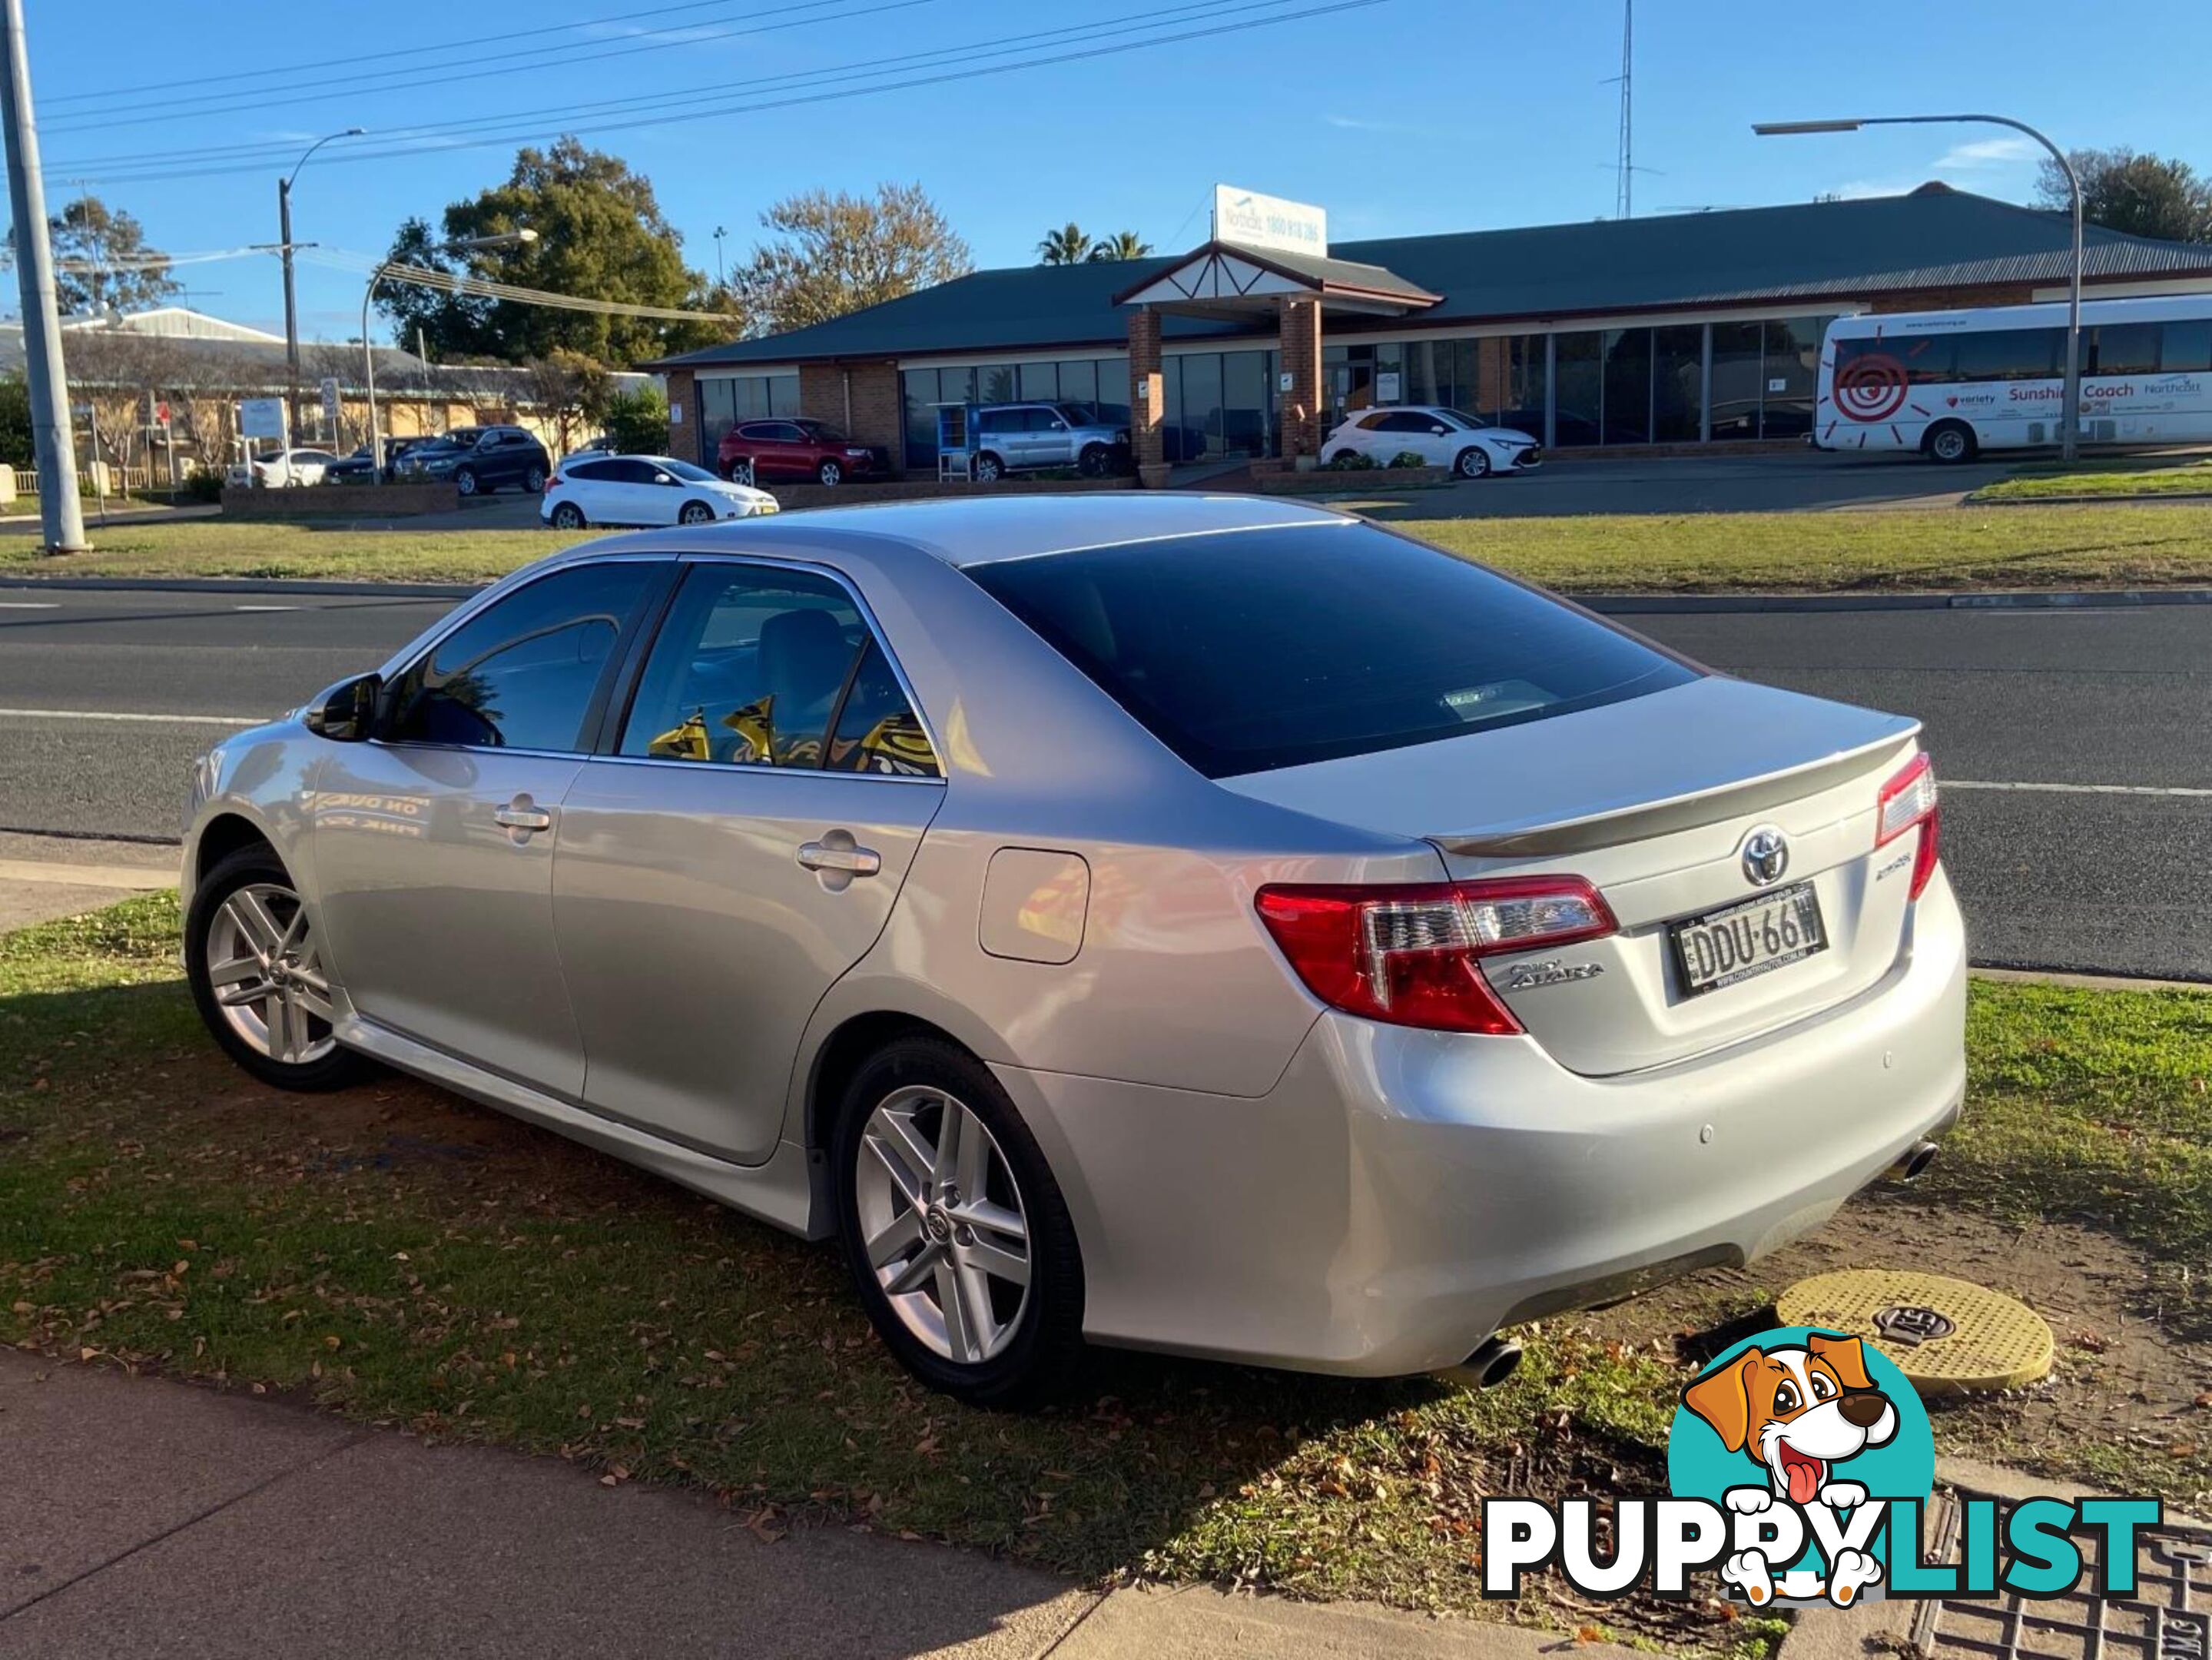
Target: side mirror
x: 1059, y: 426
x: 662, y: 478
x: 346, y: 713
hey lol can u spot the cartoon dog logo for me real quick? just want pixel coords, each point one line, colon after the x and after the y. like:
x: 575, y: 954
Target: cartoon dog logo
x: 1797, y: 1413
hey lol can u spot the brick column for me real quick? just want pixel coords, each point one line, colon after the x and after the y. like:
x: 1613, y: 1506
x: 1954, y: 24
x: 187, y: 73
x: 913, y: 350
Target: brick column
x: 1299, y: 411
x: 684, y: 436
x: 1148, y: 399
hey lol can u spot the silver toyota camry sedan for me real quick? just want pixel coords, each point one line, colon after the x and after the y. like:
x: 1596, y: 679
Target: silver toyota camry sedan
x: 1203, y: 924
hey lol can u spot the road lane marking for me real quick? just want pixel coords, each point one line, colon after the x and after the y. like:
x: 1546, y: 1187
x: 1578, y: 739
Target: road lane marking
x: 156, y: 720
x: 268, y: 607
x: 2072, y: 789
x: 30, y: 605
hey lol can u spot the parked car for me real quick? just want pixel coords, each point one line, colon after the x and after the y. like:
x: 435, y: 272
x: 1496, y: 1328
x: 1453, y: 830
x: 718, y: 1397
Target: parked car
x: 480, y: 459
x: 1026, y: 437
x: 281, y: 469
x: 358, y: 469
x: 755, y: 452
x: 644, y: 490
x: 1205, y: 924
x: 1441, y: 437
x: 604, y: 444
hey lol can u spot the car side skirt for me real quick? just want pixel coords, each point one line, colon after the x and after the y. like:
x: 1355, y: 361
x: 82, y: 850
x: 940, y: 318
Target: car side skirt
x: 783, y: 1191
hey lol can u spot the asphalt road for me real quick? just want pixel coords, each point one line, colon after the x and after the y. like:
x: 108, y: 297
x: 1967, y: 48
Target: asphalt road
x: 2075, y: 746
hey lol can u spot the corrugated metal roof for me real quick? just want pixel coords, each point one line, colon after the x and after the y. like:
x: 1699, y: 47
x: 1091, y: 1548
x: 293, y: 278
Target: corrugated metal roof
x: 1935, y: 237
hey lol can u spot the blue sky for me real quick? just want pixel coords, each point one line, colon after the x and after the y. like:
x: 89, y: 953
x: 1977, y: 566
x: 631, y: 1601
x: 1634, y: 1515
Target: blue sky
x: 1399, y: 117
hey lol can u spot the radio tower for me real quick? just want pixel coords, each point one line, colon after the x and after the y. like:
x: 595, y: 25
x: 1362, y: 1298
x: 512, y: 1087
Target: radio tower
x: 1624, y: 186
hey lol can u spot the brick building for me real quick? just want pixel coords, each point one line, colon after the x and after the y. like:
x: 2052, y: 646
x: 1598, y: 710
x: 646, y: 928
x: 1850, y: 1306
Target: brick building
x: 1688, y: 328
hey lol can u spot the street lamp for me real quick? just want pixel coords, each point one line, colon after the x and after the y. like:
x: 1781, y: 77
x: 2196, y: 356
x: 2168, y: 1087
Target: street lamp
x: 2070, y: 409
x: 505, y: 238
x: 291, y: 306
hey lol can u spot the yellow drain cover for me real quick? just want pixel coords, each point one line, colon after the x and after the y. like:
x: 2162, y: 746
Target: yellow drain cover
x: 1947, y: 1336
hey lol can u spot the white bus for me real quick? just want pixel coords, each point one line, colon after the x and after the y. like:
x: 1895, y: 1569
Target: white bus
x: 1952, y: 383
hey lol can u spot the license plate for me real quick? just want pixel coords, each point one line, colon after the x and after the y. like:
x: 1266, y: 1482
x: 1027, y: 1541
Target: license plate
x: 1743, y: 941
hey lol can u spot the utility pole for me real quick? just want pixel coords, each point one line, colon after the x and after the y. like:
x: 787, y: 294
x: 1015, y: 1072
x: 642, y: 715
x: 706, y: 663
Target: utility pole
x: 291, y: 304
x: 61, y: 515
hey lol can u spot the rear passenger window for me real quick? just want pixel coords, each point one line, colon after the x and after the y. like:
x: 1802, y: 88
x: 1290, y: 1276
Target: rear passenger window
x: 878, y: 730
x: 753, y: 667
x: 522, y: 673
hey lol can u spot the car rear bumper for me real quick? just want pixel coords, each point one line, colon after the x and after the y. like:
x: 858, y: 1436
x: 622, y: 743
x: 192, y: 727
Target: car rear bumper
x: 1400, y: 1194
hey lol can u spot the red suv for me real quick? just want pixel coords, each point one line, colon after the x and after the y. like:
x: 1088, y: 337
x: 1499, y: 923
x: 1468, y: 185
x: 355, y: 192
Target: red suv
x: 762, y: 451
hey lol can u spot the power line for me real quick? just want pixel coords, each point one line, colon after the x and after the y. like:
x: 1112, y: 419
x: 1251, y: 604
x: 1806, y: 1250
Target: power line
x: 102, y: 120
x: 359, y: 154
x: 131, y: 94
x: 483, y: 288
x: 405, y: 140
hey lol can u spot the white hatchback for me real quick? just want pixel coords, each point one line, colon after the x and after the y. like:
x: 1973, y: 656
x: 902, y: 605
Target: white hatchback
x: 1441, y: 437
x: 644, y: 490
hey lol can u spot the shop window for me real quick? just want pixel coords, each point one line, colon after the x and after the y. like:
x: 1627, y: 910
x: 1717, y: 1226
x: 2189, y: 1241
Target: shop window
x: 1578, y: 403
x: 1627, y: 386
x: 1738, y: 381
x: 1677, y: 383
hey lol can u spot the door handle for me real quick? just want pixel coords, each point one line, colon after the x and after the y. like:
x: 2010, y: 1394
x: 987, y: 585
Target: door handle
x: 848, y: 859
x: 525, y: 820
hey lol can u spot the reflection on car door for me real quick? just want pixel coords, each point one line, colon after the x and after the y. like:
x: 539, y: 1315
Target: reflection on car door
x: 433, y: 844
x: 727, y: 863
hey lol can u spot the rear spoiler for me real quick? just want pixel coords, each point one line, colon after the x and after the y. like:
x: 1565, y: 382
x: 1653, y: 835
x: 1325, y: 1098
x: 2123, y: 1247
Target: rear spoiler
x: 1680, y: 812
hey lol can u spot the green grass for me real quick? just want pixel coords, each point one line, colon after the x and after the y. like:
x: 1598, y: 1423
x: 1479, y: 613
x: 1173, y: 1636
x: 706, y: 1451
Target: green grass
x: 1822, y: 552
x: 2115, y: 479
x: 400, y: 1256
x: 2010, y: 547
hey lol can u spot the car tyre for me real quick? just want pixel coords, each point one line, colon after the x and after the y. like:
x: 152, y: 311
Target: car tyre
x: 1952, y: 442
x: 1023, y: 1348
x: 1473, y: 462
x: 567, y: 515
x: 829, y: 473
x: 694, y: 513
x: 464, y: 480
x: 1341, y: 457
x: 534, y: 480
x: 740, y: 472
x: 989, y: 469
x: 1095, y: 461
x: 245, y: 918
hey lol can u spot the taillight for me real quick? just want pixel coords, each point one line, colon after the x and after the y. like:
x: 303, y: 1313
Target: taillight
x: 1412, y: 954
x: 1909, y: 799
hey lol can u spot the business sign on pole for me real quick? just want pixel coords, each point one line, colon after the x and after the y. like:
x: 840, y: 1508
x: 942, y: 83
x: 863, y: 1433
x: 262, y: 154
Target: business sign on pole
x: 261, y: 417
x: 1250, y: 220
x: 331, y: 401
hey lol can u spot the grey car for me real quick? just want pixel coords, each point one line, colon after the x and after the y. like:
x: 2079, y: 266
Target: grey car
x: 1204, y: 924
x: 1029, y: 437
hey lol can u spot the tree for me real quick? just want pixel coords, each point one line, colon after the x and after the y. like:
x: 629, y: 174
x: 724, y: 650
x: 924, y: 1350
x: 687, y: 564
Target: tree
x: 1071, y: 245
x: 839, y: 253
x: 2143, y: 195
x: 601, y: 235
x: 569, y: 390
x: 1121, y: 245
x: 102, y: 259
x: 16, y: 421
x: 637, y: 422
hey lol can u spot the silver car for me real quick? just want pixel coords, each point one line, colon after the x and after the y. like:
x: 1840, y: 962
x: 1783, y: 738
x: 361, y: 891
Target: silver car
x: 1026, y: 437
x: 1201, y: 924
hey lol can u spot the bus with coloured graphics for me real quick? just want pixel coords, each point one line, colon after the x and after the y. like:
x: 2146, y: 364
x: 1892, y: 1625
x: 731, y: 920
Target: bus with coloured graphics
x: 1951, y: 384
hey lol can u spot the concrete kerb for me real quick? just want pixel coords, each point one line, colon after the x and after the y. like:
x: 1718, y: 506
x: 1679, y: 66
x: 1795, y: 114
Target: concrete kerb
x: 1619, y: 604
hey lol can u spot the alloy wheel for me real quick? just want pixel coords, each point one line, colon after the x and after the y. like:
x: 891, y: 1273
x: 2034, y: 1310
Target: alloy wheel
x: 568, y: 516
x: 830, y: 473
x: 695, y: 512
x: 266, y: 969
x: 946, y: 1233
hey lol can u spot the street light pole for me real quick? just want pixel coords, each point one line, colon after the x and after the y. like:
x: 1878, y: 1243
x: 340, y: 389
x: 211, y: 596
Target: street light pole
x: 61, y: 515
x: 2070, y: 409
x: 466, y: 244
x: 291, y: 305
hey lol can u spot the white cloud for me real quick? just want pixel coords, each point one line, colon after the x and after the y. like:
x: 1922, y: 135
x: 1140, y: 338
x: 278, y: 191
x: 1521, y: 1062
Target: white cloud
x: 1989, y: 153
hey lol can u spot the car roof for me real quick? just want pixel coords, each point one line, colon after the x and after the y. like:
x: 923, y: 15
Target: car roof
x: 966, y: 532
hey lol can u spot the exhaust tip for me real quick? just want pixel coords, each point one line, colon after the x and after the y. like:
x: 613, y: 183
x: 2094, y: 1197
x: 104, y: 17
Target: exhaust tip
x: 1493, y: 1361
x: 1919, y: 1159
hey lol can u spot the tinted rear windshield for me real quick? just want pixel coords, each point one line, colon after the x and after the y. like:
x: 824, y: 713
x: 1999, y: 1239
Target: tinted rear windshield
x: 1268, y: 648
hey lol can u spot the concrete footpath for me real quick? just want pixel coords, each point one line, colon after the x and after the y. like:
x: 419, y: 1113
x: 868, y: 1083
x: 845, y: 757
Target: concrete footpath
x: 142, y: 1515
x: 43, y: 877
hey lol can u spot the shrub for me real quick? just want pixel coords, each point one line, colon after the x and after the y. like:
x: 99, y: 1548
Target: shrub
x: 638, y: 422
x: 203, y: 484
x: 1350, y: 461
x: 1408, y: 459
